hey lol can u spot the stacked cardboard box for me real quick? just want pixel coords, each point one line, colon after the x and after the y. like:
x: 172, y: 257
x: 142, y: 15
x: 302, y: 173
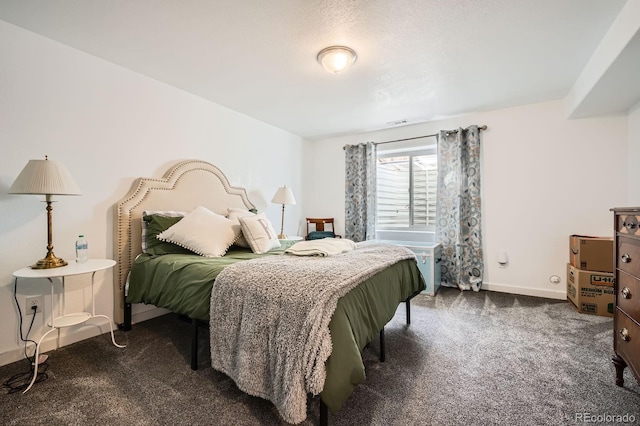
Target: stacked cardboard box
x: 590, y: 274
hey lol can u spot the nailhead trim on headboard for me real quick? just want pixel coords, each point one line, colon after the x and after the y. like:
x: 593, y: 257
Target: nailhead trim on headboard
x: 127, y: 245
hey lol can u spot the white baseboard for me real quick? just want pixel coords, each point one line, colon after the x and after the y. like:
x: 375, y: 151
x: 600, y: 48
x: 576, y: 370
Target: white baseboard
x: 147, y: 314
x: 94, y: 327
x: 526, y: 291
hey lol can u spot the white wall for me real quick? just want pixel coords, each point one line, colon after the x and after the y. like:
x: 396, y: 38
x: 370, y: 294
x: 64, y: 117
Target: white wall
x: 633, y: 155
x: 108, y: 125
x: 544, y: 178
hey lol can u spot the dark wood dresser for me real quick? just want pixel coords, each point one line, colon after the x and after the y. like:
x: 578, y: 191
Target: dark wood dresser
x: 626, y: 318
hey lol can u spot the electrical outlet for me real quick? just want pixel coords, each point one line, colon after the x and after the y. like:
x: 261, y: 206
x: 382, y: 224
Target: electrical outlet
x: 31, y: 301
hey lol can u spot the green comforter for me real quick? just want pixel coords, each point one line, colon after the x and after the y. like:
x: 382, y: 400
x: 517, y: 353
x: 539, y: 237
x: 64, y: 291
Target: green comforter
x: 182, y: 283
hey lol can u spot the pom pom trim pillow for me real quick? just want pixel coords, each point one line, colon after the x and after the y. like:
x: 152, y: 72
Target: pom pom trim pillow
x: 204, y: 232
x: 155, y: 225
x: 146, y: 237
x: 259, y: 233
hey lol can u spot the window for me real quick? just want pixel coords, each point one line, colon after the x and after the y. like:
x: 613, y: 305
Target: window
x: 406, y: 189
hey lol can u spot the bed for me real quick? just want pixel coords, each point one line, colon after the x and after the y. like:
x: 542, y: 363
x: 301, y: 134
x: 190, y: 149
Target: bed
x: 358, y: 317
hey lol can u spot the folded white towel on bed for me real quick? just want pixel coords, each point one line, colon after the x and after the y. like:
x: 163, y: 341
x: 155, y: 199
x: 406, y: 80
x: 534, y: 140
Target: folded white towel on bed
x: 322, y: 247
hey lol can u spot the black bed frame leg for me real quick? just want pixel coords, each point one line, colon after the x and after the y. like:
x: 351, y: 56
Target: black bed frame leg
x: 324, y: 414
x: 408, y: 306
x: 194, y: 344
x: 126, y: 325
x: 382, y: 351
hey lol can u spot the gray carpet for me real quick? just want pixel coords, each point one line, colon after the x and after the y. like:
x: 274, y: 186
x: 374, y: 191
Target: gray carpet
x: 467, y: 359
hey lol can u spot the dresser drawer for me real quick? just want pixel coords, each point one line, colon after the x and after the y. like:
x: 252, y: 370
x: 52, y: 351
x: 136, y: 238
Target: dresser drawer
x: 628, y: 224
x: 628, y: 252
x: 628, y: 296
x: 627, y: 340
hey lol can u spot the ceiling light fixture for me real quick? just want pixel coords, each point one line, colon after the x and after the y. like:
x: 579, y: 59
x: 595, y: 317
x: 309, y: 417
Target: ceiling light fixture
x: 336, y: 59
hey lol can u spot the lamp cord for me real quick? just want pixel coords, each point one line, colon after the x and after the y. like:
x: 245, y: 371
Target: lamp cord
x: 20, y: 381
x: 25, y: 339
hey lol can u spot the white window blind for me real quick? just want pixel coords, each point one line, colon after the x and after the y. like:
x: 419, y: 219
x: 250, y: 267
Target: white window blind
x: 406, y: 190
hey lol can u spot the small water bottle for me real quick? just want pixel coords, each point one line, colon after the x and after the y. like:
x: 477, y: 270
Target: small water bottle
x: 82, y: 249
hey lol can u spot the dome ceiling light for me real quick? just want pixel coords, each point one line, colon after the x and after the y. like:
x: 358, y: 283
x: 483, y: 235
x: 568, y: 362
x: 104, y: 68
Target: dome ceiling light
x: 336, y: 59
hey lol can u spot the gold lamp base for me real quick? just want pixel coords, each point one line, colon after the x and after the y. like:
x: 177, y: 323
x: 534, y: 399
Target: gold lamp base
x: 50, y: 261
x: 281, y: 236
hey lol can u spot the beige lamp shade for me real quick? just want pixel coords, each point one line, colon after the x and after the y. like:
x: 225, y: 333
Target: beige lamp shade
x: 284, y: 195
x: 46, y: 177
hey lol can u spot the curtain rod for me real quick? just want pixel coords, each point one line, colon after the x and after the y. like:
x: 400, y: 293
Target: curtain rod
x: 483, y: 127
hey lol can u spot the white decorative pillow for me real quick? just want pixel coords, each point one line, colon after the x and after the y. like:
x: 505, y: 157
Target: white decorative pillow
x: 234, y: 214
x: 204, y: 232
x: 259, y: 233
x: 165, y: 213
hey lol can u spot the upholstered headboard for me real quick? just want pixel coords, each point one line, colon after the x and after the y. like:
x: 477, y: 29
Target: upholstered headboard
x: 184, y: 186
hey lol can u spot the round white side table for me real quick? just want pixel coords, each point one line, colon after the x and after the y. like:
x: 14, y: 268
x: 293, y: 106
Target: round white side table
x: 64, y: 319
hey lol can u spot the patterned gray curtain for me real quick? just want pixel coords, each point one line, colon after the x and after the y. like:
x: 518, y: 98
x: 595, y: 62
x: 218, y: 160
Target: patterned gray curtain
x: 360, y: 192
x: 458, y: 208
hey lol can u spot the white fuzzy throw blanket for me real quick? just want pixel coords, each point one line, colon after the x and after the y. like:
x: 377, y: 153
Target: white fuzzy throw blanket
x: 270, y: 320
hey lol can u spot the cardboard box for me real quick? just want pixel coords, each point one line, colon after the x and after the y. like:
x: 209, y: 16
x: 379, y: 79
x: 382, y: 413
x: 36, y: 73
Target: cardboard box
x: 591, y: 253
x: 590, y: 292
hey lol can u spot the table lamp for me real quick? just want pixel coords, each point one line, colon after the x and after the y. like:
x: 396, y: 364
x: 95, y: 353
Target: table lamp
x: 48, y: 178
x: 283, y: 196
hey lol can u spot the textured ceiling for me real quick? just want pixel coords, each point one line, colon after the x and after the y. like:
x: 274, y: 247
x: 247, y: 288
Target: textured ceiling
x: 417, y: 59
